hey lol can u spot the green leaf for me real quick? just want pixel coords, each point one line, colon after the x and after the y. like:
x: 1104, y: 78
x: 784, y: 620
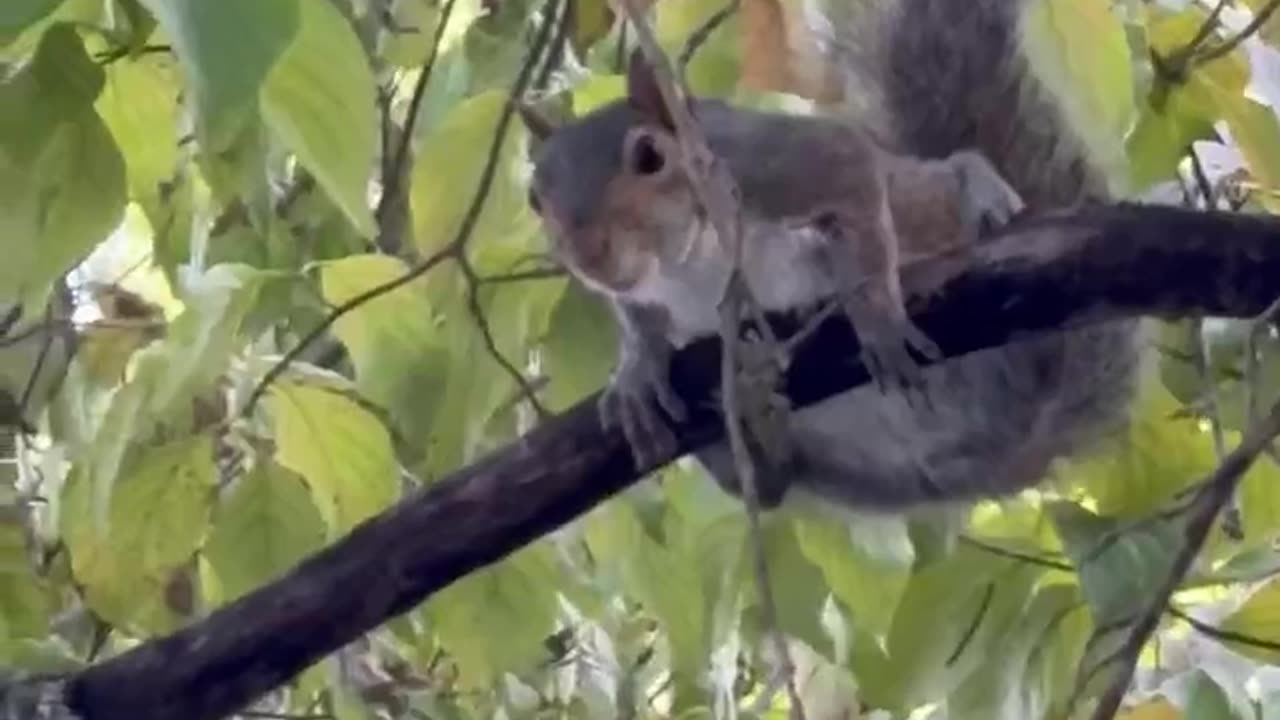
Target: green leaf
x: 25, y: 603
x: 1141, y: 469
x: 418, y: 22
x: 1206, y: 700
x: 580, y: 346
x: 226, y: 48
x: 947, y: 623
x: 1256, y: 131
x: 140, y: 105
x: 1119, y: 563
x: 320, y: 98
x: 798, y: 587
x: 496, y: 619
x: 157, y: 517
x: 1017, y: 686
x: 598, y: 91
x: 592, y: 20
x: 1257, y: 618
x: 341, y: 449
x: 17, y: 15
x: 62, y: 180
x: 714, y: 70
x: 169, y: 375
x: 866, y: 562
x: 399, y: 359
x: 266, y: 525
x: 33, y: 364
x: 1094, y: 87
x: 478, y: 408
x: 447, y: 173
x: 1176, y: 114
x: 659, y: 576
x: 1160, y: 140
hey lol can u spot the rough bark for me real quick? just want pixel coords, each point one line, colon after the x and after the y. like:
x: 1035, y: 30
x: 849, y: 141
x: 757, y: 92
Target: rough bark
x: 1045, y: 272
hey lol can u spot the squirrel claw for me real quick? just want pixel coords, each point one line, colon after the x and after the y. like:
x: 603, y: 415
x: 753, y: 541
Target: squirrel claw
x: 886, y: 354
x: 631, y: 403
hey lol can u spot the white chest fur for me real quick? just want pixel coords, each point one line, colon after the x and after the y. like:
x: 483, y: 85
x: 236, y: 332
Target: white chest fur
x: 781, y: 264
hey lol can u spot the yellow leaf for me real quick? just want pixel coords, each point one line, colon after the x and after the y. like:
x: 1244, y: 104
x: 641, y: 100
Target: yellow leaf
x: 1259, y: 619
x: 341, y: 450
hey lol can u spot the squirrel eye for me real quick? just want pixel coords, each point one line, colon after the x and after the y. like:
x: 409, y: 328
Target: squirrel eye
x: 646, y: 159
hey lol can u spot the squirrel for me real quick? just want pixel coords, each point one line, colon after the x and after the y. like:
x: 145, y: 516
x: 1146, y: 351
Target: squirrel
x: 955, y: 136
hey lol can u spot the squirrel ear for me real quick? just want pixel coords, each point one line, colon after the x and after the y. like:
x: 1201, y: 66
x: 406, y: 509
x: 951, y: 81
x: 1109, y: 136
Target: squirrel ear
x: 539, y: 125
x: 643, y: 92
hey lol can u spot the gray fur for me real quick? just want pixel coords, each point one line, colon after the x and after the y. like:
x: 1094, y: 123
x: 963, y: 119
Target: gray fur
x: 951, y: 77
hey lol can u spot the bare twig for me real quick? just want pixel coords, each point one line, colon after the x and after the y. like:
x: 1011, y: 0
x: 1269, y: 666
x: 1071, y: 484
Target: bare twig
x: 490, y: 343
x: 395, y: 172
x: 522, y: 276
x: 1217, y: 633
x: 988, y: 592
x: 339, y: 311
x: 1226, y: 47
x: 42, y: 357
x: 1041, y: 560
x: 555, y: 53
x: 699, y: 36
x: 1186, y: 53
x: 1217, y: 491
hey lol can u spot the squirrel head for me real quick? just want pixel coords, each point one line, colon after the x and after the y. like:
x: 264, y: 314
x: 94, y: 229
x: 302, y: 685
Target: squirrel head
x: 612, y: 189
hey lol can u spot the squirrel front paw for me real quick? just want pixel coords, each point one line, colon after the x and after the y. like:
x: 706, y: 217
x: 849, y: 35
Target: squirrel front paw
x: 987, y: 201
x: 631, y: 402
x: 886, y: 336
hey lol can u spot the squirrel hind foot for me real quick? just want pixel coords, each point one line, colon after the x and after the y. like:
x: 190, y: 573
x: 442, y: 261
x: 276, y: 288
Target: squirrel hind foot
x: 987, y: 201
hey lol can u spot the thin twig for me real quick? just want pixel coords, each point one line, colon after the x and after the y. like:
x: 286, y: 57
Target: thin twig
x: 699, y: 36
x: 339, y: 311
x: 1040, y: 560
x: 1217, y: 491
x: 495, y: 150
x: 1227, y: 46
x: 1217, y: 633
x: 1198, y: 625
x: 391, y: 183
x: 490, y: 343
x: 984, y: 605
x: 45, y: 346
x: 555, y: 54
x: 1187, y: 52
x: 522, y: 276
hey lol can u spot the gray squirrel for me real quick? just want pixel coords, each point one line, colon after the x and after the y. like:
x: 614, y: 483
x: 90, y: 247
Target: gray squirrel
x: 956, y: 136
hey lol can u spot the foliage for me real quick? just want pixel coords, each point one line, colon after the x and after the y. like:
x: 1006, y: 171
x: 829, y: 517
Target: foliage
x: 193, y: 186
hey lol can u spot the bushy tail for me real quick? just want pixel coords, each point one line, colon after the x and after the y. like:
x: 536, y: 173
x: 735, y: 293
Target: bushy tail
x: 934, y: 77
x: 953, y: 76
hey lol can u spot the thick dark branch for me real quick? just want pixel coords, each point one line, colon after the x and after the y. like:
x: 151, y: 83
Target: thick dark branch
x: 1099, y: 264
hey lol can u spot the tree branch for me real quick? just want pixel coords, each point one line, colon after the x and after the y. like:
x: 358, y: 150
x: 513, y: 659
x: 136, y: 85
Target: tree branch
x: 1093, y: 265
